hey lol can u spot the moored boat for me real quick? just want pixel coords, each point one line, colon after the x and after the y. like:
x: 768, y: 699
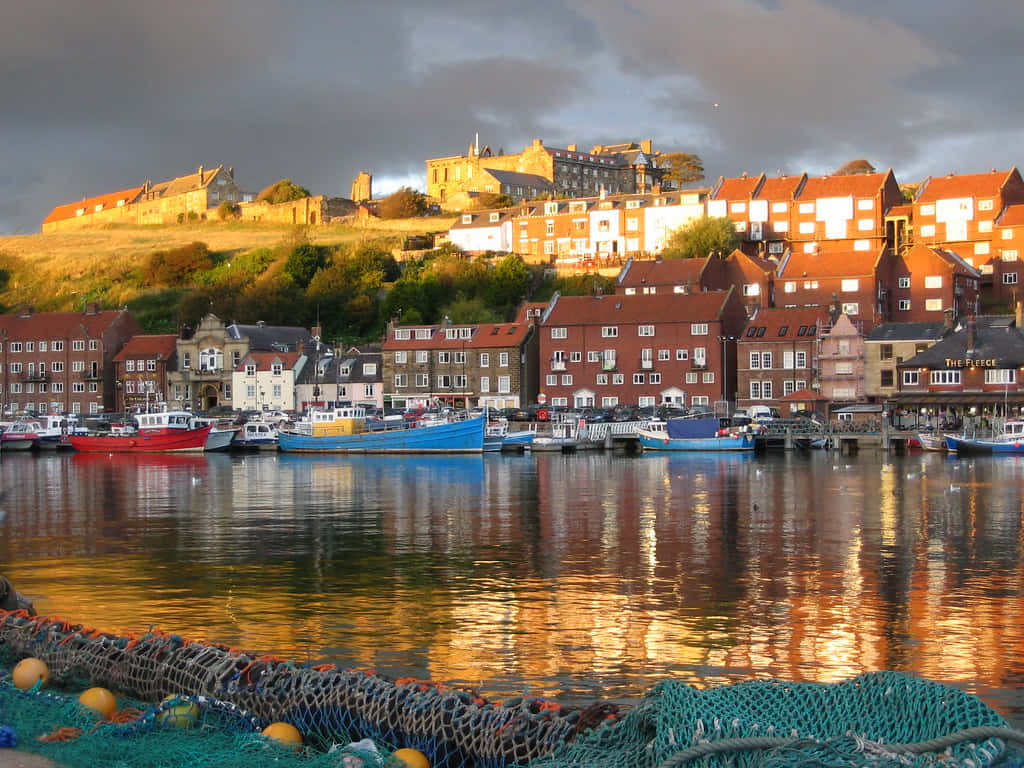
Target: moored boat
x: 173, y: 441
x: 498, y: 437
x: 344, y: 430
x: 1010, y: 440
x: 220, y: 437
x: 255, y: 436
x: 23, y: 435
x: 566, y: 436
x: 688, y: 434
x: 932, y: 442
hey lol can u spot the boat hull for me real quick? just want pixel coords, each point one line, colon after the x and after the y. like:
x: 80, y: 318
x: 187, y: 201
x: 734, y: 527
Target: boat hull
x: 661, y: 442
x: 454, y: 437
x: 970, y: 445
x: 220, y: 439
x: 179, y: 441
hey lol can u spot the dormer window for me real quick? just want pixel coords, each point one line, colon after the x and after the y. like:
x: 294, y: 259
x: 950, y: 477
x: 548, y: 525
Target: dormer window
x: 467, y: 218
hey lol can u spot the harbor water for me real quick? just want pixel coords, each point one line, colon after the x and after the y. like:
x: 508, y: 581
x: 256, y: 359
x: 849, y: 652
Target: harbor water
x: 580, y: 577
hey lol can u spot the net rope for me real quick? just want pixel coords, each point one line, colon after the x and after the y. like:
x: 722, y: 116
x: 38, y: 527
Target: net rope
x: 876, y: 719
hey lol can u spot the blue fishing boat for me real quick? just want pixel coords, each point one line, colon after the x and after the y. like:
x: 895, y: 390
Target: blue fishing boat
x: 499, y: 438
x: 686, y: 434
x: 1010, y: 440
x: 344, y: 430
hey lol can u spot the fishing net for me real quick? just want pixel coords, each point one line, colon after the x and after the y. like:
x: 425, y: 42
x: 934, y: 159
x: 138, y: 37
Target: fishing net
x: 221, y: 699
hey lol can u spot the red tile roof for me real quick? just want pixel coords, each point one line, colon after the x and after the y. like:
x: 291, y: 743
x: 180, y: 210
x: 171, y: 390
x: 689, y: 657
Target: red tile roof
x: 46, y: 326
x: 109, y: 200
x: 829, y: 264
x: 856, y: 185
x: 264, y: 360
x: 668, y: 307
x: 739, y: 188
x: 664, y: 272
x: 781, y: 187
x: 484, y: 336
x: 775, y: 319
x: 963, y: 185
x: 160, y: 346
x: 1012, y: 216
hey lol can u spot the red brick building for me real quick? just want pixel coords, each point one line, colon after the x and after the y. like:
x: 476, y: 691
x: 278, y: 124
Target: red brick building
x: 926, y: 281
x: 140, y: 371
x: 62, y: 362
x: 639, y: 349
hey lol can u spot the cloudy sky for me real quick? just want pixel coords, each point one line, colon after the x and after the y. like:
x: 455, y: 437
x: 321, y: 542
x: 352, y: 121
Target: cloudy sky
x: 100, y: 95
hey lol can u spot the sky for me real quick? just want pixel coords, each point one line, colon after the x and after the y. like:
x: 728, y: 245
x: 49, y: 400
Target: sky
x: 100, y: 95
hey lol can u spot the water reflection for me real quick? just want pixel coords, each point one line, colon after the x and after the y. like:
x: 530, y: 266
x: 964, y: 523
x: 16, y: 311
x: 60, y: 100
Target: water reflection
x: 579, y: 576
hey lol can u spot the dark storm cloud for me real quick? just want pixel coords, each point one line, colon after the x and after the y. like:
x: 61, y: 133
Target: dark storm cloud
x: 101, y: 95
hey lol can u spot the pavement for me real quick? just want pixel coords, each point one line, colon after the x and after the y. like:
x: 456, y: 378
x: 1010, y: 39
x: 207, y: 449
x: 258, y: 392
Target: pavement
x: 12, y: 758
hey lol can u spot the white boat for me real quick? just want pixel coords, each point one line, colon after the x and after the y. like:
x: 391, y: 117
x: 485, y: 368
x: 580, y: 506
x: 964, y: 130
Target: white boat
x: 932, y: 442
x: 497, y: 437
x: 256, y: 436
x: 220, y: 437
x: 23, y: 435
x: 566, y: 436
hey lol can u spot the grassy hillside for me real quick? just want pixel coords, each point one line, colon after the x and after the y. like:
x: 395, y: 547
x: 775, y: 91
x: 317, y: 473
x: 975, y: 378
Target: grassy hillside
x: 58, y: 272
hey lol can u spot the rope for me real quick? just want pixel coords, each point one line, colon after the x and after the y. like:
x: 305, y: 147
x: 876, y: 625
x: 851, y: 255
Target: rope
x: 932, y: 745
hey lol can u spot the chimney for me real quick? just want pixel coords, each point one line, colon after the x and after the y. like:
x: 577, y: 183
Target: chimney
x: 604, y: 192
x: 538, y: 143
x: 571, y: 147
x: 971, y: 336
x: 647, y: 146
x: 200, y: 171
x: 27, y: 310
x: 92, y: 308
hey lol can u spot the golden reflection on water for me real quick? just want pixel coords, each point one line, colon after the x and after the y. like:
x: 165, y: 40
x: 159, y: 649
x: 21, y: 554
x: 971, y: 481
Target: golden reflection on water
x: 579, y: 576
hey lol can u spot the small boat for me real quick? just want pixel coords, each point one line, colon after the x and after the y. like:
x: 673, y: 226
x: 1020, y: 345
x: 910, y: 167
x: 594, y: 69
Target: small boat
x: 23, y: 435
x: 256, y: 436
x: 932, y: 442
x: 689, y: 434
x: 174, y: 441
x: 1010, y: 440
x: 345, y: 430
x: 497, y: 437
x: 566, y: 436
x: 220, y: 437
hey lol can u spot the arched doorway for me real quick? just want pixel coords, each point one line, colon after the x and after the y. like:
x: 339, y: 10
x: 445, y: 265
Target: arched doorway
x: 209, y: 397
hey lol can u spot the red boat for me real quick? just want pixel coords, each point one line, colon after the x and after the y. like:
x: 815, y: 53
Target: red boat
x: 170, y: 441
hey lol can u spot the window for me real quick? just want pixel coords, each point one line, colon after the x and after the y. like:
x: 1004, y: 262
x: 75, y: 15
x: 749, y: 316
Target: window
x: 485, y: 359
x: 903, y: 305
x: 982, y: 248
x: 369, y: 369
x: 609, y: 331
x: 551, y: 379
x: 150, y: 365
x: 849, y: 286
x: 789, y: 287
x: 57, y: 346
x: 984, y: 205
x: 946, y: 376
x: 276, y: 369
x: 755, y: 360
x: 903, y: 282
x: 30, y: 346
x: 566, y: 379
x: 76, y: 365
x: 1009, y: 278
x: 1000, y: 375
x: 576, y: 357
x: 444, y: 381
x: 682, y: 354
x: 250, y: 369
x: 494, y: 217
x: 402, y: 334
x: 984, y: 226
x: 422, y: 380
x: 751, y: 289
x: 698, y: 329
x: 593, y: 356
x: 559, y: 333
x: 504, y: 384
x: 129, y: 366
x: 502, y: 360
x: 1009, y: 254
x: 485, y: 383
x: 459, y: 359
x: 400, y: 357
x: 645, y: 330
x: 700, y: 356
x: 422, y: 356
x: 93, y: 345
x: 933, y: 305
x: 444, y: 357
x: 1007, y: 234
x: 851, y: 308
x: 58, y: 367
x: 460, y: 381
x: 806, y: 207
x: 664, y: 355
x: 618, y: 379
x: 638, y: 378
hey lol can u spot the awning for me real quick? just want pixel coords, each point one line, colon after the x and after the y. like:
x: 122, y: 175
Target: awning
x: 953, y: 399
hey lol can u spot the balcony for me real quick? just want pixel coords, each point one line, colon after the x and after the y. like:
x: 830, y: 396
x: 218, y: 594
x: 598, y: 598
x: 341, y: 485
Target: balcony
x: 646, y: 365
x: 36, y: 376
x: 558, y: 365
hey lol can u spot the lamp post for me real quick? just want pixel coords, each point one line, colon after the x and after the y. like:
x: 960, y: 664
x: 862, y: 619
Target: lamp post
x: 725, y: 369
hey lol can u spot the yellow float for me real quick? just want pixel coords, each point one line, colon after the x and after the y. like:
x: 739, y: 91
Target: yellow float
x: 283, y: 732
x: 183, y: 714
x: 412, y: 758
x: 99, y: 700
x: 30, y: 671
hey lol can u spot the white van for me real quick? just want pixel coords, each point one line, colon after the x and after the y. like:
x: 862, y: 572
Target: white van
x: 762, y: 413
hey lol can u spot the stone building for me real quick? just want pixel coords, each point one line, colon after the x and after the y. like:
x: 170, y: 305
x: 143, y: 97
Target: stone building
x: 362, y: 187
x: 614, y: 168
x: 208, y: 357
x: 141, y: 371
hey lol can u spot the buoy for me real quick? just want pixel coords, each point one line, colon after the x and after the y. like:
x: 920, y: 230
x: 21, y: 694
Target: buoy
x: 99, y: 700
x: 413, y: 758
x: 30, y: 671
x: 283, y: 732
x: 181, y: 715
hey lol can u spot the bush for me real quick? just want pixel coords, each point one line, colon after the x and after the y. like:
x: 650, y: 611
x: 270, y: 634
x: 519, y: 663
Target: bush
x: 404, y: 203
x: 282, y: 191
x: 228, y: 210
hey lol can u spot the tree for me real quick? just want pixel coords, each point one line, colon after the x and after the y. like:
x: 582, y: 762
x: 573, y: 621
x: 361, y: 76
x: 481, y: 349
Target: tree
x: 490, y: 200
x: 228, y: 210
x: 403, y: 203
x: 703, y: 237
x: 282, y: 192
x: 854, y: 167
x: 304, y: 261
x: 680, y: 167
